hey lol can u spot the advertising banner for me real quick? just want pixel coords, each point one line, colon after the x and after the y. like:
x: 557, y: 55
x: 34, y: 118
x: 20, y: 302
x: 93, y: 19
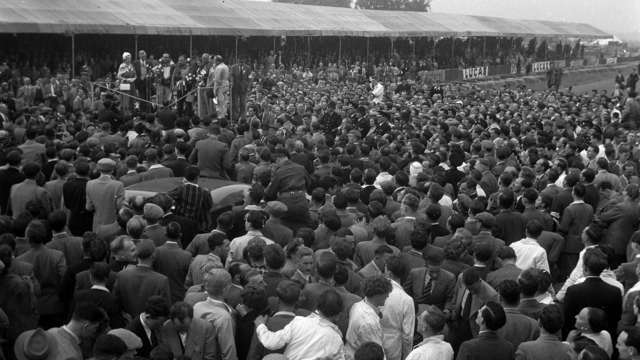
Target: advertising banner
x: 541, y: 66
x: 475, y: 73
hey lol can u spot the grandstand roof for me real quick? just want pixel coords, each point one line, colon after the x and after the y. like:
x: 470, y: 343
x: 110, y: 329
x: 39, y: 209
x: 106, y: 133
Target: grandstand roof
x: 249, y: 18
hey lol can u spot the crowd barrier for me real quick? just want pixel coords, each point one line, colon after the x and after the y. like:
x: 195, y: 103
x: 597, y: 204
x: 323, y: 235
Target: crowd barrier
x: 535, y: 68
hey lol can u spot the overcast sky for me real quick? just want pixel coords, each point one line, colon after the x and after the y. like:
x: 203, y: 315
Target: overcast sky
x: 617, y: 16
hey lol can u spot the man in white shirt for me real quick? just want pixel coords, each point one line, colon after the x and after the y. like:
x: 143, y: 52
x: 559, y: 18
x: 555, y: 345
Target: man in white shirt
x: 365, y: 315
x: 430, y: 325
x: 398, y: 316
x: 529, y: 253
x: 308, y: 337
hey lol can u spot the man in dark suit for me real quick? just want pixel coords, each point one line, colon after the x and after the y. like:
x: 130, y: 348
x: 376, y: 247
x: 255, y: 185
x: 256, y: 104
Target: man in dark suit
x: 529, y: 288
x: 621, y: 220
x: 134, y: 285
x: 148, y: 323
x: 488, y: 345
x: 548, y: 345
x: 485, y: 238
x: 431, y: 285
x: 434, y: 212
x: 574, y: 219
x: 592, y: 195
x: 326, y: 263
x: 180, y: 163
x: 156, y: 170
x: 100, y: 295
x: 49, y: 267
x: 508, y: 269
x: 273, y: 227
x: 186, y: 336
x: 132, y: 176
x: 471, y: 294
x: 593, y: 292
x: 189, y: 226
x: 626, y: 272
x: 142, y: 82
x: 564, y: 197
x: 414, y: 255
x: 173, y: 262
x: 210, y: 155
x: 509, y: 223
x: 71, y: 246
x: 518, y: 328
x: 9, y: 177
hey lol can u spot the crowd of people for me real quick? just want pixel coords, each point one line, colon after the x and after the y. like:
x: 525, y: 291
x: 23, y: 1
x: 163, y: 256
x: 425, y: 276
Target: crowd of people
x: 381, y: 220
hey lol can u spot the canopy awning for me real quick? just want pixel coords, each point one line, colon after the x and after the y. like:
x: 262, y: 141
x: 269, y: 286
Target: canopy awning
x: 249, y: 18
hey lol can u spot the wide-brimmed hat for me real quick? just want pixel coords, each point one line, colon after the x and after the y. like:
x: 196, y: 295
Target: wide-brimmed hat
x: 35, y: 345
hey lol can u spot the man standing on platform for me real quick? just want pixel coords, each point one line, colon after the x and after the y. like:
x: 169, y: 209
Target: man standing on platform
x: 221, y: 86
x: 142, y: 80
x: 204, y: 100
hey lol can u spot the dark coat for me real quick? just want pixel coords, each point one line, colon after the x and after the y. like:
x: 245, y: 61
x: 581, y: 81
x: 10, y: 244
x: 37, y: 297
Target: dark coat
x: 545, y: 347
x: 519, y: 328
x: 137, y: 284
x: 593, y: 292
x: 135, y: 326
x: 107, y: 301
x: 74, y: 193
x: 173, y: 262
x: 509, y: 226
x: 487, y: 346
x: 442, y: 288
x: 622, y: 221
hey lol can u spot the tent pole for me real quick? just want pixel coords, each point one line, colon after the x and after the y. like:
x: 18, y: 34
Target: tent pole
x: 236, y: 49
x: 339, y: 50
x: 73, y: 56
x: 367, y: 59
x: 191, y: 46
x: 135, y: 45
x: 391, y: 46
x: 309, y: 51
x: 484, y: 46
x: 414, y: 47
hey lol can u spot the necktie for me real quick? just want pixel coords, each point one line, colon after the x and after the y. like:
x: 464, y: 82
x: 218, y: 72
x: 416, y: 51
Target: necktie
x: 428, y: 286
x: 466, y: 309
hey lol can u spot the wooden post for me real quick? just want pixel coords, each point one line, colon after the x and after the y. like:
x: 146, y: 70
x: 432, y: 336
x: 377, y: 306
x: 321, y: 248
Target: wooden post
x: 391, y: 46
x: 339, y: 50
x: 73, y: 56
x: 135, y: 45
x: 484, y: 46
x: 191, y: 46
x: 236, y: 49
x: 367, y: 59
x: 309, y: 51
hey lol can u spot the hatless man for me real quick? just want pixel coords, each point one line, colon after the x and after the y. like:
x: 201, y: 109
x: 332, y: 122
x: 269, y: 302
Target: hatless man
x: 187, y: 336
x: 308, y: 337
x: 431, y: 324
x: 548, y: 345
x: 218, y: 313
